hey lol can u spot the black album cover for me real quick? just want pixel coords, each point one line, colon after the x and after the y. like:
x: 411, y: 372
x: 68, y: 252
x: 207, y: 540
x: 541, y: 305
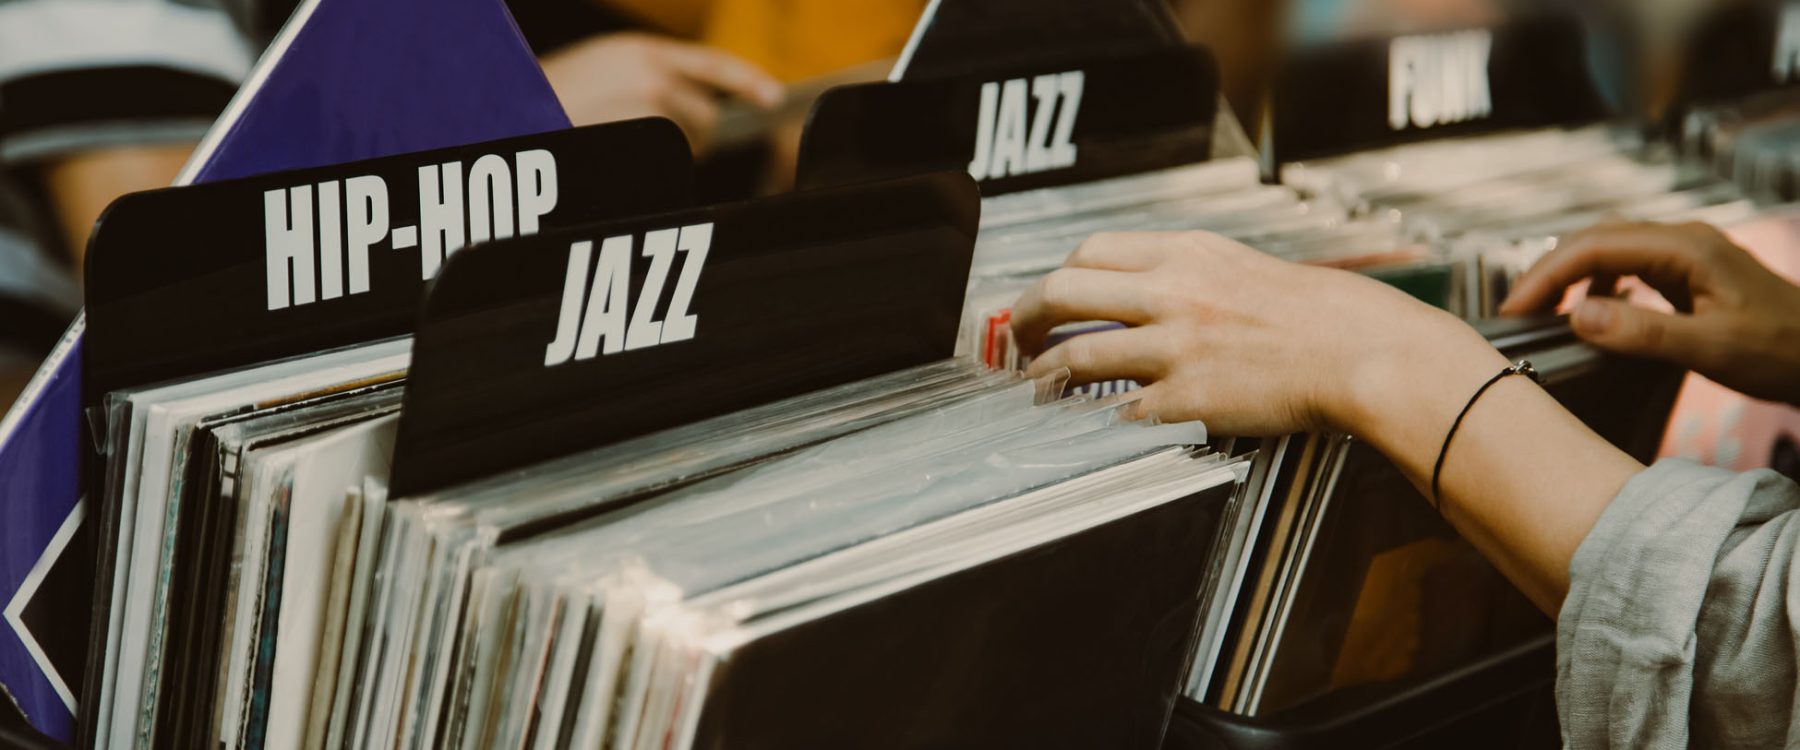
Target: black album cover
x: 1082, y: 642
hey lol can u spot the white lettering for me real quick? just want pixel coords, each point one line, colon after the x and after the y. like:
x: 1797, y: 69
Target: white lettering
x: 537, y: 188
x: 1062, y: 152
x: 351, y: 216
x: 1009, y: 130
x: 984, y: 131
x: 606, y: 295
x: 440, y: 215
x: 1439, y: 80
x: 367, y: 209
x: 1787, y: 44
x: 646, y: 331
x: 1014, y: 138
x: 288, y: 238
x: 331, y: 245
x: 696, y: 241
x: 490, y: 199
x: 574, y: 294
x: 1046, y: 90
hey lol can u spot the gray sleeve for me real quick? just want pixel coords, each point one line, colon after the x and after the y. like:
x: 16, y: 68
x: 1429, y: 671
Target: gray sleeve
x: 1680, y: 622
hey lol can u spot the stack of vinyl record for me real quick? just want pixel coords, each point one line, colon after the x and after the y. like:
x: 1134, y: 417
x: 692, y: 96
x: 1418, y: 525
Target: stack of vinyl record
x: 740, y: 497
x: 243, y: 399
x: 873, y: 589
x: 1499, y: 202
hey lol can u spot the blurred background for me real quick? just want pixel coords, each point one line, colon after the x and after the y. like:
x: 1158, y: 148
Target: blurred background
x: 103, y: 97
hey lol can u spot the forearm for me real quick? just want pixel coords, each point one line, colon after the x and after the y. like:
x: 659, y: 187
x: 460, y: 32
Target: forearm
x: 1523, y: 479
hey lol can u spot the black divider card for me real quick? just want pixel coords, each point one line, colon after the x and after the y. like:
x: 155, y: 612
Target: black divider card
x: 541, y: 347
x: 196, y: 279
x: 959, y: 37
x: 1743, y: 49
x: 1039, y: 125
x: 1372, y: 93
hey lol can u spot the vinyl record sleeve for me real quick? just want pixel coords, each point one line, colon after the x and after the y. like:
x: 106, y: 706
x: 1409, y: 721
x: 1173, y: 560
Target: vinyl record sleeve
x: 1084, y: 650
x: 171, y: 412
x: 1375, y: 592
x: 204, y: 541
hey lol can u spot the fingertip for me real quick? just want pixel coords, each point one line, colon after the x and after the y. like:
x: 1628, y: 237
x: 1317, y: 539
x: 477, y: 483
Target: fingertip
x: 760, y: 88
x: 1522, y: 301
x: 1137, y: 410
x: 773, y: 95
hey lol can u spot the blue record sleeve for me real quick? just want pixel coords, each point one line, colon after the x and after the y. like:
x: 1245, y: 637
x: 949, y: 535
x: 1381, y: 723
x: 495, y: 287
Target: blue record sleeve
x: 344, y: 80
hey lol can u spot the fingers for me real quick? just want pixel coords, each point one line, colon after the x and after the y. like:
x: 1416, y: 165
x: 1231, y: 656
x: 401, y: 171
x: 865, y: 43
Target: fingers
x: 724, y: 72
x: 1664, y: 256
x: 1123, y: 354
x: 1071, y: 295
x: 1122, y: 251
x: 1157, y: 402
x: 694, y: 110
x: 1621, y: 327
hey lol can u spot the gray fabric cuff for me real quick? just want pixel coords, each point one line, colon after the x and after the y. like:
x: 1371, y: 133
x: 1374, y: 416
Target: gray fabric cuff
x: 1626, y: 634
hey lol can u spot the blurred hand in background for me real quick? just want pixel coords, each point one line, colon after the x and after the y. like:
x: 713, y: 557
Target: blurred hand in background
x: 628, y: 75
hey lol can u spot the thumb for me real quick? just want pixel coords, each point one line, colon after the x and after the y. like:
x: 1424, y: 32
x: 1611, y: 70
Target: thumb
x: 1625, y: 328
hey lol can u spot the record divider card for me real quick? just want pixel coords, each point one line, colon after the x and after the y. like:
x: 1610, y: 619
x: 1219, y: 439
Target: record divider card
x: 1055, y: 120
x: 541, y: 347
x: 1741, y: 50
x: 1365, y: 94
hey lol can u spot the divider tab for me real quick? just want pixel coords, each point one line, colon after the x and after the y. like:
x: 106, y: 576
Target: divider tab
x: 541, y: 347
x: 1058, y: 121
x: 1373, y: 93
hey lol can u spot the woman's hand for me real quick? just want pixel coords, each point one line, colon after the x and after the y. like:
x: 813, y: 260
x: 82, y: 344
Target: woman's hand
x: 1735, y: 321
x: 1249, y: 344
x: 1253, y: 346
x: 625, y: 76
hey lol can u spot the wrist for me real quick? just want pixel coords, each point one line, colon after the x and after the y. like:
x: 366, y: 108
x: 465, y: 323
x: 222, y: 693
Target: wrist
x: 1402, y: 395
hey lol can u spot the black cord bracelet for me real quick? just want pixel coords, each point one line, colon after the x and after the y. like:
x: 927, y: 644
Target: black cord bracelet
x: 1522, y: 368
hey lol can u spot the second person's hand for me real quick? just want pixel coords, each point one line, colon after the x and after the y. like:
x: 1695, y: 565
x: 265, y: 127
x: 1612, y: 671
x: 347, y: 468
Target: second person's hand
x: 1735, y: 321
x: 628, y: 75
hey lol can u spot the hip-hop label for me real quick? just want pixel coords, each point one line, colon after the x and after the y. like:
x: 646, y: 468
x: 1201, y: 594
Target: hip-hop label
x: 318, y: 237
